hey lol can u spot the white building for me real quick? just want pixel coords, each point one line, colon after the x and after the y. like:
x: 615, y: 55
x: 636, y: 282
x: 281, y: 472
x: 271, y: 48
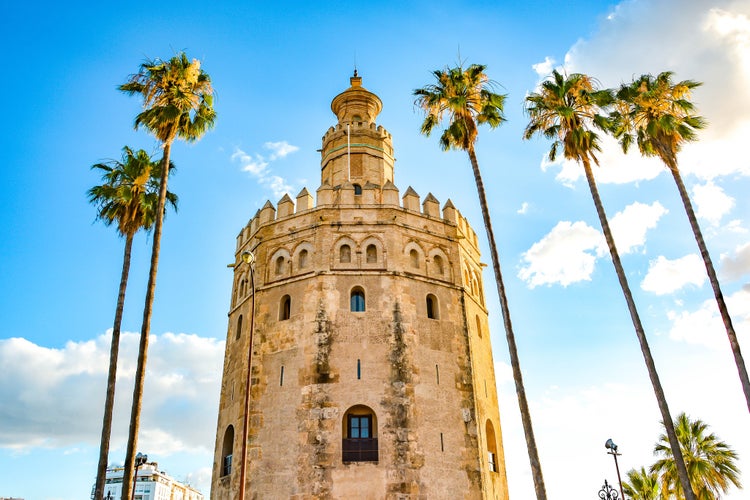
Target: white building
x: 151, y: 484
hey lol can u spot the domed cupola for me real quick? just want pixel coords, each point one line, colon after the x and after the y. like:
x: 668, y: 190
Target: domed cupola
x: 356, y: 150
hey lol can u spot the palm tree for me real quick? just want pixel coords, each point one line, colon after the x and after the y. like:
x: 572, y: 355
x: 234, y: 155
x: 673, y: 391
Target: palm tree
x: 467, y: 97
x: 711, y: 463
x: 177, y: 103
x: 564, y: 109
x: 642, y: 485
x: 128, y: 199
x: 657, y: 114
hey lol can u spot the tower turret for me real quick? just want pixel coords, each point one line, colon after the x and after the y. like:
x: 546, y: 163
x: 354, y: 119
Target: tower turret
x: 356, y: 150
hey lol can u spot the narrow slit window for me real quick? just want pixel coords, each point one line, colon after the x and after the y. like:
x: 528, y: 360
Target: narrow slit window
x: 359, y: 370
x: 239, y: 328
x: 281, y: 376
x: 437, y: 374
x: 442, y: 446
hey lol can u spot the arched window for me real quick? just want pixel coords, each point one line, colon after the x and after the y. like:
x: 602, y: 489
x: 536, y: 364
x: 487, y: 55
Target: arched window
x: 372, y: 253
x: 491, y: 447
x: 357, y: 189
x: 345, y: 254
x: 239, y: 328
x: 279, y: 265
x: 359, y: 435
x: 432, y: 307
x: 414, y: 258
x: 438, y: 262
x: 357, y: 302
x: 479, y: 326
x: 285, y: 308
x: 302, y: 259
x: 226, y: 451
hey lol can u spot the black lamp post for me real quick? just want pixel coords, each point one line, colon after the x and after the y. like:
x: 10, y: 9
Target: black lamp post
x: 140, y: 459
x: 608, y: 493
x: 249, y: 259
x: 612, y: 447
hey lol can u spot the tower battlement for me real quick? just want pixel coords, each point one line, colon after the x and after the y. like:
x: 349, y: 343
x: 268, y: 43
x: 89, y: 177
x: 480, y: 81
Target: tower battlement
x: 346, y: 197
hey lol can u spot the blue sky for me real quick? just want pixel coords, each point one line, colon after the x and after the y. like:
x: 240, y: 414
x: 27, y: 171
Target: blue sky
x: 276, y: 67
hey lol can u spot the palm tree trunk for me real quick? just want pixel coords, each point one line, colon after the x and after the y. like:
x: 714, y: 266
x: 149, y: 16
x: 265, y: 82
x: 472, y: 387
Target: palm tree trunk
x: 536, y: 467
x: 140, y: 372
x: 109, y: 403
x: 645, y: 349
x: 733, y: 342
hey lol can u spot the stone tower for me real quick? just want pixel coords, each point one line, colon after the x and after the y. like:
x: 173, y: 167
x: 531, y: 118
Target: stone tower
x: 371, y: 370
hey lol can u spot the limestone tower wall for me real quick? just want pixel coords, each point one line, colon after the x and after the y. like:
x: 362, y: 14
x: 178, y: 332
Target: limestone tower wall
x: 371, y: 372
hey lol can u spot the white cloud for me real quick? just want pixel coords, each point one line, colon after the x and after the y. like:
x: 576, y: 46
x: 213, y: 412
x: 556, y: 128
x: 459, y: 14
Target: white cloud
x: 629, y: 226
x: 733, y: 267
x: 524, y: 208
x: 565, y: 255
x: 280, y: 149
x: 58, y: 394
x: 258, y: 166
x: 568, y: 253
x: 704, y: 326
x: 544, y: 68
x: 711, y: 202
x: 666, y: 276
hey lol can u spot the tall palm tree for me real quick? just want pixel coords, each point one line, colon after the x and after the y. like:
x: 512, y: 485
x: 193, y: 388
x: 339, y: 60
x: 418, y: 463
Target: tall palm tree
x: 642, y: 485
x: 564, y: 109
x: 711, y: 463
x: 466, y: 96
x: 658, y: 115
x: 177, y: 103
x: 128, y: 199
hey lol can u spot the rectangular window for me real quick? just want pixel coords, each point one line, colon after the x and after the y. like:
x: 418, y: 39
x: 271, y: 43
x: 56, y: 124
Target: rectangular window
x: 360, y: 426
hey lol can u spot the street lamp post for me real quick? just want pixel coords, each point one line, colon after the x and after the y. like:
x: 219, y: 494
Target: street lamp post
x: 249, y: 259
x: 608, y: 493
x: 612, y: 447
x: 140, y: 459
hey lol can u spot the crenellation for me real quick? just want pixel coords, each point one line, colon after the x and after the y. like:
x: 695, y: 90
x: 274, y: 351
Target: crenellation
x: 346, y: 194
x: 390, y: 194
x: 325, y: 195
x: 370, y: 194
x: 285, y: 207
x: 431, y: 206
x: 410, y: 200
x: 267, y: 213
x: 304, y: 201
x: 450, y: 213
